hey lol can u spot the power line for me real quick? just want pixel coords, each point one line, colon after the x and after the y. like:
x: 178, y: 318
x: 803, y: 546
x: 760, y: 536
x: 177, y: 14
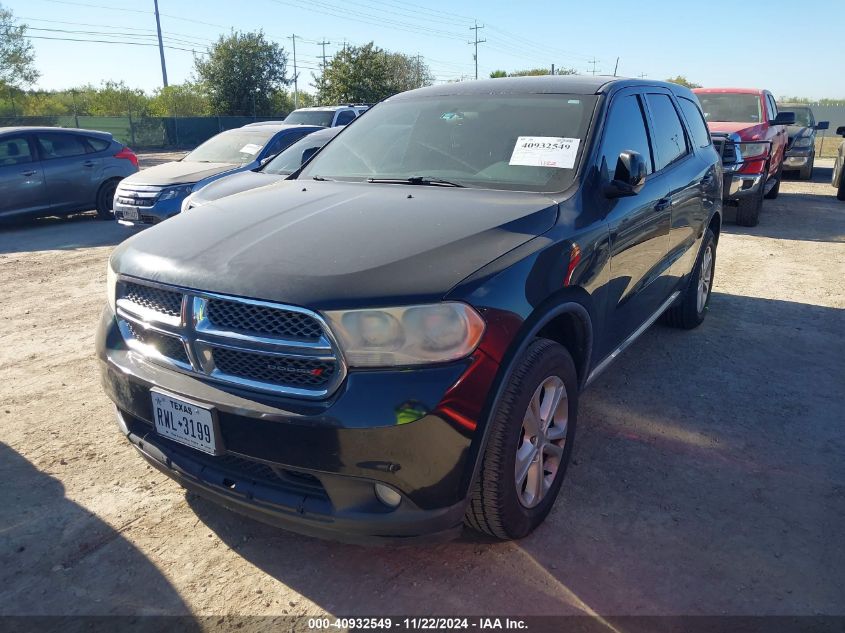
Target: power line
x: 476, y: 42
x: 121, y: 43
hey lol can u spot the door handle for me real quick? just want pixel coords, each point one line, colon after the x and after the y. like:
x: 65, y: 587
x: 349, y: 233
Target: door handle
x: 28, y: 172
x: 88, y: 163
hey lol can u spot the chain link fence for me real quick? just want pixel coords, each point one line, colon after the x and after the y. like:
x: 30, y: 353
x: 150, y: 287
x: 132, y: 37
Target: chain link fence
x: 146, y: 132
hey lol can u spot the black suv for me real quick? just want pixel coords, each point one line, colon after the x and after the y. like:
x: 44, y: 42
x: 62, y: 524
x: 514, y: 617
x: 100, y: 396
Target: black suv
x: 393, y: 343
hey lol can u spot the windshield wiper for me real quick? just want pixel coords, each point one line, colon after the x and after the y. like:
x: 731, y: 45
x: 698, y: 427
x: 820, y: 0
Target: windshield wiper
x: 321, y: 179
x: 416, y: 180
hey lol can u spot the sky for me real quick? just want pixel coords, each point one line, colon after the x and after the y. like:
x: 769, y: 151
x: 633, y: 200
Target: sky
x: 791, y: 48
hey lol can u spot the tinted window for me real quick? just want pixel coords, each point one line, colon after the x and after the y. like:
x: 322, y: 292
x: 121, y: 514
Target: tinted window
x: 97, y: 144
x: 14, y: 151
x: 771, y: 108
x: 61, y: 145
x: 345, y: 117
x: 669, y: 140
x: 292, y: 158
x: 283, y: 141
x: 311, y: 117
x: 624, y: 131
x: 697, y: 126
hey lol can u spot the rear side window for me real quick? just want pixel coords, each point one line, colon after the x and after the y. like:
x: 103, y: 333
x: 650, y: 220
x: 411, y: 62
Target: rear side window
x: 625, y: 130
x: 61, y: 145
x: 669, y: 141
x: 97, y: 144
x: 283, y: 142
x: 347, y: 116
x: 14, y: 151
x: 697, y: 126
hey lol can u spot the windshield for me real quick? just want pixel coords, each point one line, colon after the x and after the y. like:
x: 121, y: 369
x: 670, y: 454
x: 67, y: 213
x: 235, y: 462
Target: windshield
x: 738, y: 107
x: 803, y: 117
x: 292, y: 158
x: 519, y: 142
x: 235, y: 146
x: 311, y: 117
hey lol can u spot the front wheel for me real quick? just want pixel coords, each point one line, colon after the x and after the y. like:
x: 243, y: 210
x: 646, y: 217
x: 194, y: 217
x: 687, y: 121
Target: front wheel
x: 692, y: 305
x: 807, y: 170
x: 105, y: 200
x: 529, y: 445
x: 840, y: 192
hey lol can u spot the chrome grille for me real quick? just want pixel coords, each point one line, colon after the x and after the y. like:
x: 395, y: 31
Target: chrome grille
x: 262, y: 320
x: 256, y: 345
x: 167, y: 302
x: 299, y: 372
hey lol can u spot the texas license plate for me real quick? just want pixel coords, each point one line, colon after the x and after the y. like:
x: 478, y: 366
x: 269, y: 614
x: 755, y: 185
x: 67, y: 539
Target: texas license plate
x: 130, y: 213
x: 185, y: 422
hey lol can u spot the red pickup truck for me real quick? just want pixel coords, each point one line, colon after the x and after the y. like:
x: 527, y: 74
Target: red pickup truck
x: 751, y: 137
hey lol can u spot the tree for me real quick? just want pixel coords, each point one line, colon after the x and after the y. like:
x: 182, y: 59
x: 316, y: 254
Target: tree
x: 497, y: 74
x: 366, y: 74
x: 683, y: 81
x: 533, y: 72
x: 185, y: 99
x: 241, y: 73
x: 17, y: 59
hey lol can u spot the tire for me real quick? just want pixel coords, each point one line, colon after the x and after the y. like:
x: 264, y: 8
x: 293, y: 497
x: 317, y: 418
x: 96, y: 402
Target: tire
x: 105, y: 200
x: 748, y: 209
x: 692, y: 306
x: 497, y: 506
x: 840, y: 192
x: 806, y: 172
x: 774, y: 191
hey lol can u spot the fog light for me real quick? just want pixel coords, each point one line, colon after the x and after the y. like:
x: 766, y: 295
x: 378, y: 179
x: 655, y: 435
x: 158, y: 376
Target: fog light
x: 388, y: 496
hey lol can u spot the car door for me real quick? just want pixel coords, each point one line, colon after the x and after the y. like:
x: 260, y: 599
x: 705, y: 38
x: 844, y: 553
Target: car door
x: 638, y: 225
x: 72, y: 176
x: 22, y: 187
x: 687, y: 177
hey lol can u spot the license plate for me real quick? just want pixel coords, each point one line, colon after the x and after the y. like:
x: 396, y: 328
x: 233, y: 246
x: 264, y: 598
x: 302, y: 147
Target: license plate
x: 185, y: 422
x: 130, y: 213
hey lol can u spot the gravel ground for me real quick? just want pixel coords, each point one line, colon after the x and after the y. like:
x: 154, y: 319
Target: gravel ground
x: 708, y: 473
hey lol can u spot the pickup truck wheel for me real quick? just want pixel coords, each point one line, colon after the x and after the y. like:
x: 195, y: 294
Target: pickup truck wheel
x: 529, y: 445
x: 840, y: 192
x: 774, y: 191
x: 105, y: 200
x: 691, y: 308
x: 748, y: 209
x: 807, y: 170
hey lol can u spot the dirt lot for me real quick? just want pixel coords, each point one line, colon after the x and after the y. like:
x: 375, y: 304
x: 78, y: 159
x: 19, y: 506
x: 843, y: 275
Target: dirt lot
x: 708, y: 474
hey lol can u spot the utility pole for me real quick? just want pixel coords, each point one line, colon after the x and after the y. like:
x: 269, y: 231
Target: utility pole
x: 419, y: 72
x: 553, y: 70
x: 295, y: 75
x: 476, y: 42
x: 160, y: 46
x: 615, y: 68
x: 593, y: 62
x: 323, y: 44
x: 641, y: 75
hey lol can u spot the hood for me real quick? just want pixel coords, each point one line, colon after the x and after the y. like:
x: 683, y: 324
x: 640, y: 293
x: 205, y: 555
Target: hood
x: 744, y: 131
x: 795, y: 131
x: 235, y: 183
x: 330, y: 244
x: 177, y: 173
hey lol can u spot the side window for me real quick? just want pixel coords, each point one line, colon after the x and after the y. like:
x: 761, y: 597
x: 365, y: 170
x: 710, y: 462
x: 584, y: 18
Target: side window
x: 97, y: 144
x: 625, y: 130
x: 14, y: 150
x: 771, y: 110
x: 60, y: 145
x: 347, y: 116
x: 669, y: 141
x: 697, y: 126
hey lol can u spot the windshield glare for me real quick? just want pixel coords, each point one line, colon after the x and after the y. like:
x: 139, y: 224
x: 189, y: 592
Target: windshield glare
x: 741, y: 108
x: 234, y: 146
x: 466, y: 139
x: 311, y: 117
x: 291, y: 159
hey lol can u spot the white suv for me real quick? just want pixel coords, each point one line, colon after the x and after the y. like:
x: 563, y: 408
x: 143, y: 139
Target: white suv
x: 327, y: 116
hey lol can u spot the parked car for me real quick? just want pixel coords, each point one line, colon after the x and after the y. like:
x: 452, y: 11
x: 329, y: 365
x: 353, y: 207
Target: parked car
x: 58, y: 171
x: 326, y: 116
x: 839, y: 167
x: 801, y: 149
x: 279, y: 168
x: 750, y: 135
x: 156, y: 193
x: 395, y: 341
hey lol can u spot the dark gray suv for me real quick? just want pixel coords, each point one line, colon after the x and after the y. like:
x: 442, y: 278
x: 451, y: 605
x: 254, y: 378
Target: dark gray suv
x: 58, y: 171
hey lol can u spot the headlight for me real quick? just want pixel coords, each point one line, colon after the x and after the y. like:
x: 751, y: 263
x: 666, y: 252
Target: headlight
x: 804, y: 141
x: 111, y: 285
x: 412, y: 335
x: 748, y: 151
x: 175, y: 192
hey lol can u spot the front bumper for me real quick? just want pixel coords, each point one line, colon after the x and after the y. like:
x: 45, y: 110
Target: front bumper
x: 796, y: 159
x: 308, y: 466
x: 159, y: 212
x: 738, y: 185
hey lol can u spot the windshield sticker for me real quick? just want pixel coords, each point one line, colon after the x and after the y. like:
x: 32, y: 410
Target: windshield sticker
x: 545, y: 151
x: 250, y: 148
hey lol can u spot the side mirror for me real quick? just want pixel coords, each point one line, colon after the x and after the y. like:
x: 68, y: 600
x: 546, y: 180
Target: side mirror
x: 266, y: 160
x: 823, y: 125
x: 840, y: 130
x: 629, y: 176
x: 307, y: 154
x: 784, y: 118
